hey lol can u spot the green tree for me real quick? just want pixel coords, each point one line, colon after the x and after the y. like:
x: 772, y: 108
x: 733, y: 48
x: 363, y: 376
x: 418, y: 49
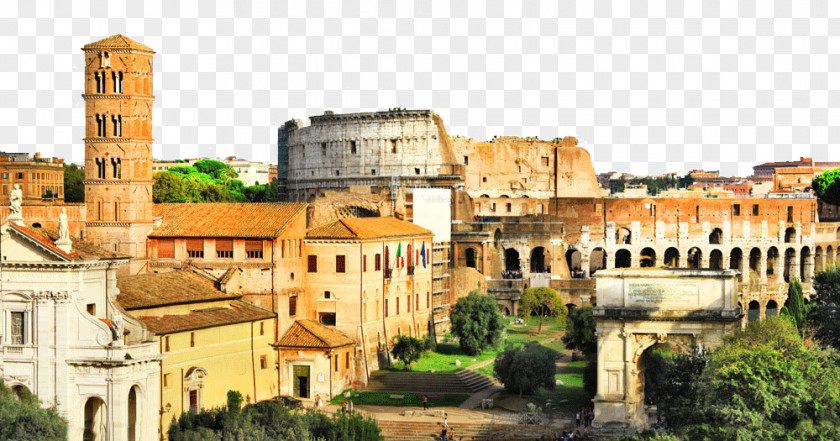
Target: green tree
x: 580, y: 330
x: 795, y: 306
x: 523, y: 370
x: 24, y: 419
x: 824, y: 311
x: 408, y: 349
x: 763, y: 383
x: 168, y: 187
x: 543, y: 302
x: 827, y: 186
x: 477, y: 322
x: 74, y: 183
x: 234, y: 401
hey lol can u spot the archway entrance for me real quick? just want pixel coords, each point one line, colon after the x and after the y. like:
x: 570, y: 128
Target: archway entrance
x: 96, y: 420
x: 790, y: 262
x: 805, y: 265
x: 754, y: 312
x: 647, y: 258
x: 736, y: 259
x: 20, y: 392
x: 597, y: 260
x: 755, y: 262
x: 511, y: 259
x: 622, y: 259
x: 470, y: 257
x: 790, y: 235
x: 695, y: 258
x: 672, y: 257
x: 622, y: 236
x: 716, y: 260
x: 772, y: 309
x: 772, y: 261
x: 573, y: 260
x: 716, y: 236
x: 538, y: 260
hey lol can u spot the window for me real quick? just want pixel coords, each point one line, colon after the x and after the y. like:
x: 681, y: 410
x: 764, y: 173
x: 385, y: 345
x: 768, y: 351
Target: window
x: 224, y: 248
x: 353, y: 147
x: 166, y: 379
x: 5, y: 175
x: 312, y: 264
x: 340, y: 262
x: 377, y: 262
x: 545, y: 161
x: 466, y: 160
x: 195, y: 248
x: 262, y: 328
x: 364, y: 263
x: 373, y: 172
x: 292, y: 306
x: 323, y: 149
x: 327, y: 294
x: 337, y: 173
x: 192, y: 339
x: 327, y: 318
x: 263, y: 362
x: 736, y: 210
x: 427, y: 300
x: 790, y: 214
x: 755, y: 210
x: 18, y: 327
x: 507, y: 207
x: 166, y: 344
x: 347, y: 360
x: 417, y: 302
x: 336, y: 362
x: 484, y: 179
x: 254, y: 249
x: 393, y: 146
x: 416, y: 171
x: 166, y: 248
x: 20, y: 175
x: 91, y: 308
x: 408, y: 303
x: 398, y: 306
x: 386, y: 307
x: 493, y: 206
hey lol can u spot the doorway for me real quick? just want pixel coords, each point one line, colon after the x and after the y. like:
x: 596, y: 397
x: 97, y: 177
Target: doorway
x: 300, y: 379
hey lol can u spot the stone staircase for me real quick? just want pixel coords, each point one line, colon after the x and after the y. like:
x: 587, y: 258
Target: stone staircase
x: 461, y: 382
x: 430, y: 431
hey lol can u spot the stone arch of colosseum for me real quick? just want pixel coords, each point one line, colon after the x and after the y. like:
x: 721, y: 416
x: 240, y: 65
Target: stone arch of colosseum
x: 688, y: 309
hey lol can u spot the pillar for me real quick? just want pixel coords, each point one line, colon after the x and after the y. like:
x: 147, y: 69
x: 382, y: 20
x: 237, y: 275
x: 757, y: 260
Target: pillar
x: 762, y: 267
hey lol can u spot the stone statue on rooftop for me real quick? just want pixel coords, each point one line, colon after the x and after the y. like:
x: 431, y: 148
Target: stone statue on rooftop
x: 63, y: 227
x: 15, y: 199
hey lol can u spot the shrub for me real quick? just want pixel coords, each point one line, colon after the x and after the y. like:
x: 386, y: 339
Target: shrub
x: 524, y: 370
x: 477, y: 322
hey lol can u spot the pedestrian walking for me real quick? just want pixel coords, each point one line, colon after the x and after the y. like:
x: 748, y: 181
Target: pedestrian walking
x: 425, y: 402
x: 577, y: 419
x: 350, y: 405
x: 343, y: 405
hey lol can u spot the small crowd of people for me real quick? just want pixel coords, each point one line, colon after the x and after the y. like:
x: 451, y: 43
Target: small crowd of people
x: 446, y: 432
x: 584, y: 417
x: 578, y: 273
x: 512, y: 274
x: 346, y: 406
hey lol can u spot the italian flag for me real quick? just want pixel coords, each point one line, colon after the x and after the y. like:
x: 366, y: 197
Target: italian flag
x: 400, y: 260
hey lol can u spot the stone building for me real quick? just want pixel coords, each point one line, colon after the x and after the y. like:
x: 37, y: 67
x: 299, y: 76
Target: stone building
x: 375, y: 149
x: 250, y: 249
x: 370, y: 278
x: 41, y: 179
x: 212, y: 342
x: 118, y: 146
x: 63, y: 337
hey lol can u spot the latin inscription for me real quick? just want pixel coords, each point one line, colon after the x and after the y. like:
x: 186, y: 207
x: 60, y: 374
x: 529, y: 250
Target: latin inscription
x: 671, y: 293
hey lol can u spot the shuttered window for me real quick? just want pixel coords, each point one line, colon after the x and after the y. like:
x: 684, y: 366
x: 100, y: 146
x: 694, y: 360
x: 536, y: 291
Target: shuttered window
x: 292, y: 306
x: 224, y: 248
x: 166, y: 248
x: 340, y: 263
x: 312, y: 264
x: 195, y: 248
x: 254, y: 249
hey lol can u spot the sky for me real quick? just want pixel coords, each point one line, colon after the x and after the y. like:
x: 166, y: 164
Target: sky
x: 659, y: 86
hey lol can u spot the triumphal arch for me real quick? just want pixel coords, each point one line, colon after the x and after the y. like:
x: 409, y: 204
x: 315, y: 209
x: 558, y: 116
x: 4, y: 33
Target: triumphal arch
x: 637, y: 308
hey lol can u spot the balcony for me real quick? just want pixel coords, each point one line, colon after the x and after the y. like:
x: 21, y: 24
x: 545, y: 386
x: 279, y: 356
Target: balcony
x: 410, y: 270
x: 387, y: 273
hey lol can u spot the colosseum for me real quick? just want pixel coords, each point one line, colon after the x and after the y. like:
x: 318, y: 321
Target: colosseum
x: 528, y: 213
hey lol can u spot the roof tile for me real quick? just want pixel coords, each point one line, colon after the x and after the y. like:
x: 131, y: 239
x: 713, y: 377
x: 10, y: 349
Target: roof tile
x: 237, y: 312
x: 117, y: 42
x: 170, y: 288
x: 235, y: 219
x: 306, y: 333
x: 367, y: 228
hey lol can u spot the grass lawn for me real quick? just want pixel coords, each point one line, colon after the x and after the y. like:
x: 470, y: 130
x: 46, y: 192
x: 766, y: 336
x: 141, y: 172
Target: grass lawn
x: 443, y: 359
x: 410, y: 399
x: 520, y: 334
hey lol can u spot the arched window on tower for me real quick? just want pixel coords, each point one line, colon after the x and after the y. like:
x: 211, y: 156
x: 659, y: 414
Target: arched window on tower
x: 100, y: 125
x: 116, y: 163
x: 117, y: 119
x: 98, y: 82
x: 100, y: 168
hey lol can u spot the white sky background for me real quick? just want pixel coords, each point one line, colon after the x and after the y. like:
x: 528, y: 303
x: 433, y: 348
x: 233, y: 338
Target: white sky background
x: 659, y: 86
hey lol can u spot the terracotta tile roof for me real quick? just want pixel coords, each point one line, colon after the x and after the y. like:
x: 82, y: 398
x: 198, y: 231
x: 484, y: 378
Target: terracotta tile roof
x: 170, y: 288
x: 367, y: 228
x: 237, y: 312
x: 235, y: 219
x: 117, y: 42
x: 81, y: 250
x: 306, y: 333
x: 795, y: 170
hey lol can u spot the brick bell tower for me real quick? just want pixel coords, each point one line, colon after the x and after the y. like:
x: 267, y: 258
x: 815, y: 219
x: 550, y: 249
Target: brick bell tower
x: 118, y: 146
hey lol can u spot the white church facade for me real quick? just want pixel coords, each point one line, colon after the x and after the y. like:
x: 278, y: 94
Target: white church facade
x: 63, y: 338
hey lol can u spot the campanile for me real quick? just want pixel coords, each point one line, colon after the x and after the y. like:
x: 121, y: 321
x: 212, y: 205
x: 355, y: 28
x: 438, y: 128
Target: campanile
x: 118, y: 146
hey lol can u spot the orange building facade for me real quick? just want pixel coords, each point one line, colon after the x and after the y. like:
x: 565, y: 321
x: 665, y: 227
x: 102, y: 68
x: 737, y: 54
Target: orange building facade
x: 40, y: 179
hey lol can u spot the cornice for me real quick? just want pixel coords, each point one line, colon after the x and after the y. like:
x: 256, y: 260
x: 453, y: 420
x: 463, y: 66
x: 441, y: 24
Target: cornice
x: 98, y: 140
x: 116, y: 96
